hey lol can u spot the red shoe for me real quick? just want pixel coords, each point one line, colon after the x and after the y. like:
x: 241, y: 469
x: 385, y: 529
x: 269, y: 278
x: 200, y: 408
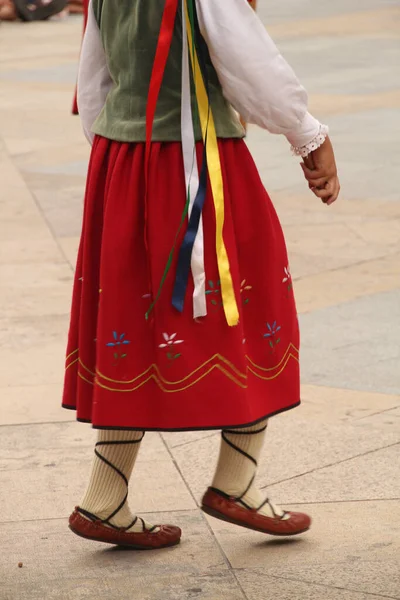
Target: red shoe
x: 168, y: 535
x: 219, y: 505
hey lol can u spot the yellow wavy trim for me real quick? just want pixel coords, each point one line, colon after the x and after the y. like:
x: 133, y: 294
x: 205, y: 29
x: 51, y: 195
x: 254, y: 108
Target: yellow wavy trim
x: 72, y: 353
x: 71, y: 363
x: 84, y: 379
x: 268, y: 369
x: 236, y: 377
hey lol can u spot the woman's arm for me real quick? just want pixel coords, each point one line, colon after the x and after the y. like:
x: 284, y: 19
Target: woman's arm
x: 94, y: 80
x: 255, y: 78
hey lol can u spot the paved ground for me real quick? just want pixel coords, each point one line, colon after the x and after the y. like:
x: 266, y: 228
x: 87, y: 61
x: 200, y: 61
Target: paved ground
x: 337, y: 456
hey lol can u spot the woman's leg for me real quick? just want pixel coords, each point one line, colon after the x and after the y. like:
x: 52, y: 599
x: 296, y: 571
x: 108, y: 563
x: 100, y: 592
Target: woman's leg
x: 237, y: 468
x: 234, y: 495
x: 104, y: 514
x: 107, y: 492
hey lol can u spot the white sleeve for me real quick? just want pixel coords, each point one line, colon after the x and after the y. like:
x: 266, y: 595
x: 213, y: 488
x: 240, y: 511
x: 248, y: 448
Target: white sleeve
x: 94, y: 80
x: 255, y: 78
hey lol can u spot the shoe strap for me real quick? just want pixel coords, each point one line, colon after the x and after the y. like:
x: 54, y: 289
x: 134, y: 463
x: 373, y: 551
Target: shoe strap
x: 107, y: 520
x: 239, y: 499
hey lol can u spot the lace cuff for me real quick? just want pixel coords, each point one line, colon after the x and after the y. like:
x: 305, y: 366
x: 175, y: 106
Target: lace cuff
x: 313, y: 145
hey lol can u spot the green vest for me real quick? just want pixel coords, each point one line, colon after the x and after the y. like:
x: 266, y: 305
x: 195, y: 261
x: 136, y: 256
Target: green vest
x: 129, y: 31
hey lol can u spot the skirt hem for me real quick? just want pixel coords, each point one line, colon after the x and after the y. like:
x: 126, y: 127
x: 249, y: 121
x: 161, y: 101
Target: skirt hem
x: 177, y: 429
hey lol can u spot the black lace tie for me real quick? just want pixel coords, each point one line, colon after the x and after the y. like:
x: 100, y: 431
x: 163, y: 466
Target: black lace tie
x: 239, y: 499
x: 107, y: 520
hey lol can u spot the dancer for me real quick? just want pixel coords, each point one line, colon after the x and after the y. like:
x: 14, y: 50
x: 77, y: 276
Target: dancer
x: 183, y: 314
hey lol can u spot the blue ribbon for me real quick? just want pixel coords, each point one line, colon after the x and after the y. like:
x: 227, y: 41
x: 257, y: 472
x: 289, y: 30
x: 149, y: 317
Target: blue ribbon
x: 186, y: 249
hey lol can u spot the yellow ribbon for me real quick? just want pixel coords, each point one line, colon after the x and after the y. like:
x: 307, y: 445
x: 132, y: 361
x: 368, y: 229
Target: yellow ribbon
x: 217, y: 186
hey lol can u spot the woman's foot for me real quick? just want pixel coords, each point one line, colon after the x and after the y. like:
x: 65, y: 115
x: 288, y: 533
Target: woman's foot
x: 7, y: 11
x: 159, y: 536
x: 221, y: 506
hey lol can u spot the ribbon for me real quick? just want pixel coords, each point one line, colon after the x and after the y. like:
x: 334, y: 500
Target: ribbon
x: 210, y: 165
x: 194, y: 247
x: 157, y: 75
x: 214, y: 172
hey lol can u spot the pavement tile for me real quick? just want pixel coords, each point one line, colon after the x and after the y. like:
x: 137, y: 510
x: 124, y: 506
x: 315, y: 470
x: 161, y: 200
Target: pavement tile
x: 181, y: 438
x: 296, y: 443
x: 168, y: 586
x: 339, y: 551
x: 21, y: 251
x: 69, y: 246
x: 55, y: 488
x: 44, y: 290
x: 32, y: 404
x: 62, y: 444
x: 329, y: 403
x: 328, y: 104
x: 32, y: 350
x: 60, y: 197
x: 364, y: 477
x: 363, y: 23
x: 290, y: 12
x: 81, y: 570
x: 343, y: 285
x: 285, y: 588
x: 354, y: 344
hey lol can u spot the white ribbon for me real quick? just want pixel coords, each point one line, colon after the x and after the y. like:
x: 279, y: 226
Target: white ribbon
x: 192, y: 178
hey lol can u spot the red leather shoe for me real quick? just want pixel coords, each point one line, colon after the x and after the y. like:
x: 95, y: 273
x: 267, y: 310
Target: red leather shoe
x: 219, y: 505
x: 168, y: 535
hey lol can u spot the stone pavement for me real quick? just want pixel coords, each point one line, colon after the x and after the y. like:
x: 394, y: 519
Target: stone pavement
x: 337, y: 456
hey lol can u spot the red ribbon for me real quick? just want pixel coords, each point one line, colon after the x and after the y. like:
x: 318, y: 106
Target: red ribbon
x: 157, y: 75
x: 160, y: 62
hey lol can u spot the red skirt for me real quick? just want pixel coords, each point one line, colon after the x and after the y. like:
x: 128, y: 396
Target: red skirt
x: 171, y: 372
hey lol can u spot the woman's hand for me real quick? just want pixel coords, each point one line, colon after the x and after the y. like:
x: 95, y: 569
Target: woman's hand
x: 322, y: 178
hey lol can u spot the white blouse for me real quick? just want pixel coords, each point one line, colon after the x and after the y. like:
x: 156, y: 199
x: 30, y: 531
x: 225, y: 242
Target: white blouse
x: 255, y: 78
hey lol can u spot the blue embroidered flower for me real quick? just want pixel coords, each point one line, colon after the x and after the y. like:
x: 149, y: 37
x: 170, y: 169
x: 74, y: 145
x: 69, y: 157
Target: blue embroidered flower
x: 271, y: 334
x: 118, y: 341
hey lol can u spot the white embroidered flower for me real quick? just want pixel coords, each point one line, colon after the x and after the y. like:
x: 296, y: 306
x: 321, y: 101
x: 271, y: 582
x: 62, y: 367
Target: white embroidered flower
x: 170, y: 340
x: 288, y: 276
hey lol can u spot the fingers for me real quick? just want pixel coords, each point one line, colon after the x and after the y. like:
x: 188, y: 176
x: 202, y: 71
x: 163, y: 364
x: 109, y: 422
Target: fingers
x: 329, y: 193
x: 318, y: 183
x: 323, y: 193
x: 312, y: 175
x: 335, y: 194
x: 317, y: 175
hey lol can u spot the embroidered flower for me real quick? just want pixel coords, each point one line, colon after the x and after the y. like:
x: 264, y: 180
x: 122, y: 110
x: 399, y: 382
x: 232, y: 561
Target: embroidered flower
x: 287, y: 278
x: 169, y: 343
x: 214, y: 289
x: 271, y: 334
x: 118, y: 341
x: 170, y: 340
x: 244, y: 287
